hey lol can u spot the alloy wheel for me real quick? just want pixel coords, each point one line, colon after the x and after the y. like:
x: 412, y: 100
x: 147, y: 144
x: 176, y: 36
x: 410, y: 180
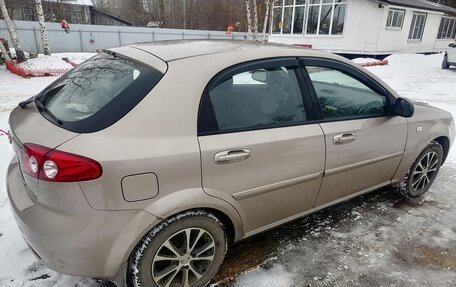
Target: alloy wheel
x: 424, y: 172
x: 183, y: 258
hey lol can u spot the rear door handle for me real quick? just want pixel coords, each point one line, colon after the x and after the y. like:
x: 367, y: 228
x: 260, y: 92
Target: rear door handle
x: 344, y: 138
x: 231, y: 155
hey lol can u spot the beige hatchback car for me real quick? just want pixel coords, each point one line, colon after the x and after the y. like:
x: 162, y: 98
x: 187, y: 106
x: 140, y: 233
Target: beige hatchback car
x: 146, y: 162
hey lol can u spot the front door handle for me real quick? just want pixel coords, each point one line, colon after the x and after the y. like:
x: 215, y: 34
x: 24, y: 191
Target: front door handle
x: 344, y: 138
x: 231, y: 155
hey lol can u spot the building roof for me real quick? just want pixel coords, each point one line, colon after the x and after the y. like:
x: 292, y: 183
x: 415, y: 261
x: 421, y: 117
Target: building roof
x: 421, y: 4
x: 95, y: 10
x: 74, y: 2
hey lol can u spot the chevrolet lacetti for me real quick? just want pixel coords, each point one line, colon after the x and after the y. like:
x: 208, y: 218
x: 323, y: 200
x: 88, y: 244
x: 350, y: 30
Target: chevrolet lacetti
x: 147, y: 161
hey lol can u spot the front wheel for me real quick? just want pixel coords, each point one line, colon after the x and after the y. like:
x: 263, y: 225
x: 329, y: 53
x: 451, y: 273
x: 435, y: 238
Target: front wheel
x: 445, y: 64
x: 184, y: 250
x: 423, y: 172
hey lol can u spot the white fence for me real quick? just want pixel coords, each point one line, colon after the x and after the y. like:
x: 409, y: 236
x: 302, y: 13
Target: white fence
x: 89, y: 38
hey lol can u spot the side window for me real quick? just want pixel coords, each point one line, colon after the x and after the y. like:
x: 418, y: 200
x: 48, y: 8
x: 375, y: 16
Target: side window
x: 341, y: 96
x: 258, y: 98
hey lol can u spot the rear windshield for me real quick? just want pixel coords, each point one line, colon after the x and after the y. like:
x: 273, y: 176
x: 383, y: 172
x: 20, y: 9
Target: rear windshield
x: 97, y: 93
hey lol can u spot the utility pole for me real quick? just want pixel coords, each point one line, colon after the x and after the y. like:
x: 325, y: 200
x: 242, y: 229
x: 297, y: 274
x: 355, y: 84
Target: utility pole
x: 185, y: 12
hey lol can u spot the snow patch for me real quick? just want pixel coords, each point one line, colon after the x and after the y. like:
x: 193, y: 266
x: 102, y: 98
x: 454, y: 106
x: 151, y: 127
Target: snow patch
x: 45, y: 63
x: 277, y: 276
x: 365, y: 60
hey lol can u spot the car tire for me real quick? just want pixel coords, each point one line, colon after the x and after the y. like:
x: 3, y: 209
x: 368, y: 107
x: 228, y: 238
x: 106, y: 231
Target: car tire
x: 165, y: 257
x: 445, y: 64
x: 422, y: 173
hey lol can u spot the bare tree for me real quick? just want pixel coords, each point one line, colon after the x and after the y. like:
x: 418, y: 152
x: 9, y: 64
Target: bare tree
x: 12, y: 31
x: 249, y: 19
x: 255, y: 19
x: 43, y: 30
x: 268, y: 6
x: 4, y: 52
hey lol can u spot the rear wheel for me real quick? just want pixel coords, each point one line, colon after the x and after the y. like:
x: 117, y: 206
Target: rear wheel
x: 423, y: 172
x: 185, y: 250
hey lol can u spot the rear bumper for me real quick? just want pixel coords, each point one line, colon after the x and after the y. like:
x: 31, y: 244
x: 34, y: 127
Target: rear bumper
x: 85, y: 242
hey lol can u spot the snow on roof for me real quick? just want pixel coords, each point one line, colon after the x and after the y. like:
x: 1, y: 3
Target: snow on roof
x: 74, y: 2
x: 422, y: 4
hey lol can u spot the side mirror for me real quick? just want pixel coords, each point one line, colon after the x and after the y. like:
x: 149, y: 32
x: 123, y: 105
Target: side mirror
x: 452, y: 45
x: 403, y: 108
x: 261, y: 76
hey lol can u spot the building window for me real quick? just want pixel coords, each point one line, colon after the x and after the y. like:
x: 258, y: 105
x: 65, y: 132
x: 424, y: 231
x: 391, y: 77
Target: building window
x: 447, y: 29
x: 326, y: 17
x: 395, y: 18
x: 309, y: 17
x: 67, y: 15
x: 78, y: 17
x: 276, y: 26
x: 417, y: 27
x: 27, y: 14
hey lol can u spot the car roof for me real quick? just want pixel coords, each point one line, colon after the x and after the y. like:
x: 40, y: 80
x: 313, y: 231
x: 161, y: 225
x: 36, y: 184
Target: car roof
x: 182, y: 49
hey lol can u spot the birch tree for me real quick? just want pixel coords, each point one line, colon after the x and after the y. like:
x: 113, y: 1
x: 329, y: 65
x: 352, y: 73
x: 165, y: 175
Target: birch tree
x: 268, y: 6
x: 249, y: 19
x: 255, y: 19
x: 43, y: 31
x: 12, y: 31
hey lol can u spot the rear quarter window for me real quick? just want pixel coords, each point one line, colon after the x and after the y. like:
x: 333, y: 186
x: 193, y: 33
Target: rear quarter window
x: 97, y: 93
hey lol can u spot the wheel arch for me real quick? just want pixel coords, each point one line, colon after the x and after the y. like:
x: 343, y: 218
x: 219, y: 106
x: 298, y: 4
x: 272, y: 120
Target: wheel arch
x: 445, y: 143
x: 189, y: 200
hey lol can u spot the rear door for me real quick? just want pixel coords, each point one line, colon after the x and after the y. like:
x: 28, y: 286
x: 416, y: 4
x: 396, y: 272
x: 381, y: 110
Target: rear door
x: 257, y: 143
x: 364, y: 142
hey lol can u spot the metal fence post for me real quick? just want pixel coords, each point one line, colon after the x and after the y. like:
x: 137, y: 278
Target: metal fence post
x: 153, y: 36
x: 183, y: 35
x: 232, y: 36
x: 120, y: 38
x: 36, y: 41
x: 209, y: 35
x: 80, y: 39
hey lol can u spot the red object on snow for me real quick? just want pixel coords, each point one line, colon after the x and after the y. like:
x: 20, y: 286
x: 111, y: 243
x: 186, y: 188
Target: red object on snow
x: 27, y: 73
x: 375, y: 63
x: 307, y: 46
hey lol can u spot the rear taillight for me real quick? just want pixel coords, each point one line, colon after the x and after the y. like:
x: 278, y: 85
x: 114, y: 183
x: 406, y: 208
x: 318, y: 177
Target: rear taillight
x: 54, y: 165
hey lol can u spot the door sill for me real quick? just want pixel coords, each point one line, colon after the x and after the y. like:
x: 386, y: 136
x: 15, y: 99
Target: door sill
x: 315, y: 209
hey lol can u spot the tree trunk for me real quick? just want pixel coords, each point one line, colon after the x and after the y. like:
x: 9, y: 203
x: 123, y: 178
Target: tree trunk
x: 267, y: 4
x: 255, y: 19
x: 249, y: 19
x: 12, y: 31
x: 4, y: 52
x: 43, y: 31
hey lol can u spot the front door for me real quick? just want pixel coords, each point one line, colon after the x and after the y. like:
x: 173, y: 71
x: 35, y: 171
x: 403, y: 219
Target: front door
x: 257, y: 146
x: 364, y: 142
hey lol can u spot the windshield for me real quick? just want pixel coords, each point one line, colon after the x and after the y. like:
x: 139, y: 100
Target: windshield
x: 88, y: 95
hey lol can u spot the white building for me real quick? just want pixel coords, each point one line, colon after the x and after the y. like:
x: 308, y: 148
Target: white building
x: 369, y: 27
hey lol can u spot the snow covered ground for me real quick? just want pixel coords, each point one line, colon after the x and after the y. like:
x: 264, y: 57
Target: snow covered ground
x: 55, y: 61
x: 376, y: 240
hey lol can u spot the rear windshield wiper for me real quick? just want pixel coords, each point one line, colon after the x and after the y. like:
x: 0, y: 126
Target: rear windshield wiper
x: 23, y: 104
x: 43, y: 108
x: 52, y: 92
